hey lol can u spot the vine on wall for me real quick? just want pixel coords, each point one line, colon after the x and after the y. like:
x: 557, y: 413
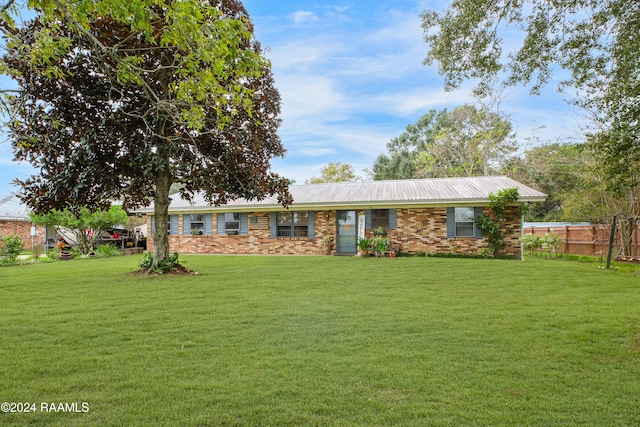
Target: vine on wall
x: 492, y: 225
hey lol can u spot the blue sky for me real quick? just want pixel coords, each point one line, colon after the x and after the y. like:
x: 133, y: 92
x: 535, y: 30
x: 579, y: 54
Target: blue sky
x: 351, y: 78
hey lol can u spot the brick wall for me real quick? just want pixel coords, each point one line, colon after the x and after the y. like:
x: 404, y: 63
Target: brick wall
x: 422, y: 230
x: 425, y: 230
x: 258, y: 241
x: 419, y: 230
x: 21, y: 228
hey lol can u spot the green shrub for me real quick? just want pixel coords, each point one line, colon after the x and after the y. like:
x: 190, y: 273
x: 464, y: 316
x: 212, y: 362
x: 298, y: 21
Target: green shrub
x: 531, y: 242
x: 380, y: 245
x: 364, y: 244
x: 146, y: 261
x: 550, y: 243
x: 168, y: 264
x: 107, y: 251
x: 10, y: 247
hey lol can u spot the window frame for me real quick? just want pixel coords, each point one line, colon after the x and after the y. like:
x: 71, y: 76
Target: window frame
x: 378, y: 220
x: 290, y: 224
x: 235, y: 218
x: 198, y: 222
x: 467, y: 222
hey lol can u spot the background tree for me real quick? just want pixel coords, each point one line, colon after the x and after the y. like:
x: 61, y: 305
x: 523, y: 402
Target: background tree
x: 577, y: 188
x: 86, y: 225
x: 335, y: 172
x: 472, y: 142
x: 468, y: 141
x: 397, y: 165
x: 122, y: 100
x: 400, y: 163
x: 556, y: 169
x: 596, y: 41
x: 596, y: 202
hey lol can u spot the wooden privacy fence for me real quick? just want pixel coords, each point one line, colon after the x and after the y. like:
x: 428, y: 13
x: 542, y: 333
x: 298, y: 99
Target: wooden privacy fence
x: 589, y: 240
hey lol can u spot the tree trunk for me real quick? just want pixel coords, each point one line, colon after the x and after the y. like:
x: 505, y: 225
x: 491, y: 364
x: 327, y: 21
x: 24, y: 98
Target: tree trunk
x: 161, y: 212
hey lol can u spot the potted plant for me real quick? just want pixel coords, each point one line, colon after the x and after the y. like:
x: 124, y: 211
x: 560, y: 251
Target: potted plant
x: 364, y: 246
x: 326, y: 245
x: 380, y: 246
x: 380, y: 231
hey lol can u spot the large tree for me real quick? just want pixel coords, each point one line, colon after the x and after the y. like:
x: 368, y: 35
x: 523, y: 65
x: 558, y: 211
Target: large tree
x: 577, y: 189
x: 400, y: 163
x: 396, y: 165
x: 559, y: 170
x: 468, y: 141
x: 595, y: 42
x: 334, y: 172
x: 120, y: 100
x: 472, y: 142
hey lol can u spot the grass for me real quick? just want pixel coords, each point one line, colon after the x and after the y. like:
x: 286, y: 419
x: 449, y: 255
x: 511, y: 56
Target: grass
x: 322, y: 341
x: 596, y: 261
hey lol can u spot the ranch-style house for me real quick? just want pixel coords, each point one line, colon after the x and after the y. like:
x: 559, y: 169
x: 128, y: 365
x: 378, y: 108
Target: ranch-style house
x: 417, y: 215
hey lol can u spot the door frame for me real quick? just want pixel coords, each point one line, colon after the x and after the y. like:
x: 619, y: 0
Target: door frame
x: 355, y: 225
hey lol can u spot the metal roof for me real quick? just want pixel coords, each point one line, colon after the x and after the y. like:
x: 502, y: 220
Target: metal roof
x: 408, y: 192
x: 12, y: 209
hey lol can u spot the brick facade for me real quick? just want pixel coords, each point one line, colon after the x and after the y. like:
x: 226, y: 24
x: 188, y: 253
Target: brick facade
x: 424, y: 230
x: 20, y: 227
x: 419, y: 230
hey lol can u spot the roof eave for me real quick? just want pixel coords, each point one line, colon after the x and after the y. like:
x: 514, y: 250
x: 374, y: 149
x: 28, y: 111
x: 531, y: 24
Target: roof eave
x: 342, y: 205
x: 14, y: 218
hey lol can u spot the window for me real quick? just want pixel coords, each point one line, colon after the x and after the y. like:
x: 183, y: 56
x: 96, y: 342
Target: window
x: 376, y: 218
x: 292, y: 224
x: 379, y: 218
x: 464, y: 222
x: 197, y: 224
x: 232, y: 222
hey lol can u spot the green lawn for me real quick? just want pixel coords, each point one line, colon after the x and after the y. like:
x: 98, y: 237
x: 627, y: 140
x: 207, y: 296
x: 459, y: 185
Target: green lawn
x: 276, y: 341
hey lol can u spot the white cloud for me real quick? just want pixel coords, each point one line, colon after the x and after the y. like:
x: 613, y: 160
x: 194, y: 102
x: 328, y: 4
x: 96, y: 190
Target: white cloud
x: 419, y: 100
x: 303, y: 16
x: 305, y: 96
x: 302, y: 53
x: 398, y: 29
x: 335, y: 140
x: 337, y: 9
x: 313, y: 149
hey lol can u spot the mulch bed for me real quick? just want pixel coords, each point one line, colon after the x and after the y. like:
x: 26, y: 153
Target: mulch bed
x: 177, y: 270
